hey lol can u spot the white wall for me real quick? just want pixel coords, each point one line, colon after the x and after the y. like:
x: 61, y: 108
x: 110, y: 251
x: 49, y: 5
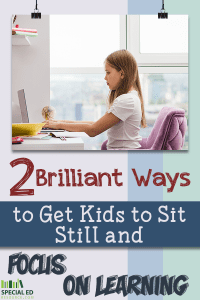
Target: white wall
x: 31, y: 67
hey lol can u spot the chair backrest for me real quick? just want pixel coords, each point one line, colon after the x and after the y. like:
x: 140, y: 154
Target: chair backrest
x: 169, y: 130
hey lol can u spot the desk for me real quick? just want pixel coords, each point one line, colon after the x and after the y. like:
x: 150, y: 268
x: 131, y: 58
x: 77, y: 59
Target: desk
x: 52, y: 144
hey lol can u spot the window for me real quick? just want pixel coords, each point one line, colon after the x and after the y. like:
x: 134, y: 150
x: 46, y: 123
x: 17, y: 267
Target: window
x: 80, y: 97
x: 79, y: 45
x: 156, y: 42
x: 83, y: 41
x: 168, y: 36
x: 160, y: 47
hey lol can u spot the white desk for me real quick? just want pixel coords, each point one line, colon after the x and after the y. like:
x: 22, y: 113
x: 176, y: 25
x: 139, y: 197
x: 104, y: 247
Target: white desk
x: 52, y: 144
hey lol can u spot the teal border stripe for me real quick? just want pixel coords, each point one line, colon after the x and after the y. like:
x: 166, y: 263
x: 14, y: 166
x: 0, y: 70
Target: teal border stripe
x: 186, y: 260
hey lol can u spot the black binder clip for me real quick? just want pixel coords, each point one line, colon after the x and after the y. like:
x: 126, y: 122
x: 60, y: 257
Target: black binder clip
x: 163, y: 14
x: 36, y: 14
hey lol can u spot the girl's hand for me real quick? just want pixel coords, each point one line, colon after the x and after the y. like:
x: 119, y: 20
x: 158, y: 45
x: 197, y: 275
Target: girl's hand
x: 50, y: 120
x: 51, y: 124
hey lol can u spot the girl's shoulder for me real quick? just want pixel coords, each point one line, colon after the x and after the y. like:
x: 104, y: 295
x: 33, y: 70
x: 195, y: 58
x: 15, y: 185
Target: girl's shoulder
x: 128, y: 98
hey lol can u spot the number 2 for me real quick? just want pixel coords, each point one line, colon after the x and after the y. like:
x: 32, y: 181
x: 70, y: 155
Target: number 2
x: 15, y: 190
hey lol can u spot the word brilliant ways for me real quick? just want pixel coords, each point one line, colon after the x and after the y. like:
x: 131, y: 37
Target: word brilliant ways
x: 71, y: 177
x: 77, y: 178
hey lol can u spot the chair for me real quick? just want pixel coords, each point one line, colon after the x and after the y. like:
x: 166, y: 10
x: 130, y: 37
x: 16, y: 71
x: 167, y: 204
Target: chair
x: 168, y: 132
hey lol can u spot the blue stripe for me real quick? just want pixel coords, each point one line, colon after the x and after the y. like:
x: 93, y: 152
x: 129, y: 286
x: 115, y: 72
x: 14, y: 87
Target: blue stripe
x: 144, y: 7
x: 142, y: 162
x: 144, y: 261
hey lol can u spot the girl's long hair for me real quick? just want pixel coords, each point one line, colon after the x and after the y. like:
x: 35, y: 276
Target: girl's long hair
x: 123, y: 60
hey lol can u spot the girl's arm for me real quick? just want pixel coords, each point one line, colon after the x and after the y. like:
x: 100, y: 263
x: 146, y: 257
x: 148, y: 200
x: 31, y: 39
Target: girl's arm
x: 67, y: 121
x: 106, y: 122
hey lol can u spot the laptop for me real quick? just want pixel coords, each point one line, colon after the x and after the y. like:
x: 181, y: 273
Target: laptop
x: 24, y: 112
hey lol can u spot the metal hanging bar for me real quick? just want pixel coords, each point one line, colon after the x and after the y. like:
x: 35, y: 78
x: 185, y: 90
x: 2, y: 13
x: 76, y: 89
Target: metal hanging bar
x: 162, y: 14
x: 36, y: 14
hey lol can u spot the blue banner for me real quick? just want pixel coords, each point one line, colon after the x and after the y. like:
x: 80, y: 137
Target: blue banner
x: 100, y: 224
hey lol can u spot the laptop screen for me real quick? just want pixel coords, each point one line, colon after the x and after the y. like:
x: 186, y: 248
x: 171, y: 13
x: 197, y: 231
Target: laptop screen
x: 23, y: 106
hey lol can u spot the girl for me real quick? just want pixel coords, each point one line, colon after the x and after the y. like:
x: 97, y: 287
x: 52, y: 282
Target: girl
x: 125, y: 103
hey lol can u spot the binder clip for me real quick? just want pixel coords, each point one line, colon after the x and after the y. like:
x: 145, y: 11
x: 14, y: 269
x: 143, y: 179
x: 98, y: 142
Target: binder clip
x: 163, y: 14
x: 36, y: 14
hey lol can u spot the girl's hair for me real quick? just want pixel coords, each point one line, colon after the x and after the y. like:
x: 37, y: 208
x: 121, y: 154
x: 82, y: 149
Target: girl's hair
x: 123, y: 60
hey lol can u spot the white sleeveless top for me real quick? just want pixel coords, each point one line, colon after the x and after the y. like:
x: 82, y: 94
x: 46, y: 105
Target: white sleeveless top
x: 125, y: 134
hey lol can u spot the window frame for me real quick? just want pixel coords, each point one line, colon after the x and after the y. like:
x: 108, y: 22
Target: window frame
x: 162, y: 70
x: 145, y: 59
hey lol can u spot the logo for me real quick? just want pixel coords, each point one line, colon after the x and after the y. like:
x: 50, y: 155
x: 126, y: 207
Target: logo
x: 15, y: 290
x: 11, y: 284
